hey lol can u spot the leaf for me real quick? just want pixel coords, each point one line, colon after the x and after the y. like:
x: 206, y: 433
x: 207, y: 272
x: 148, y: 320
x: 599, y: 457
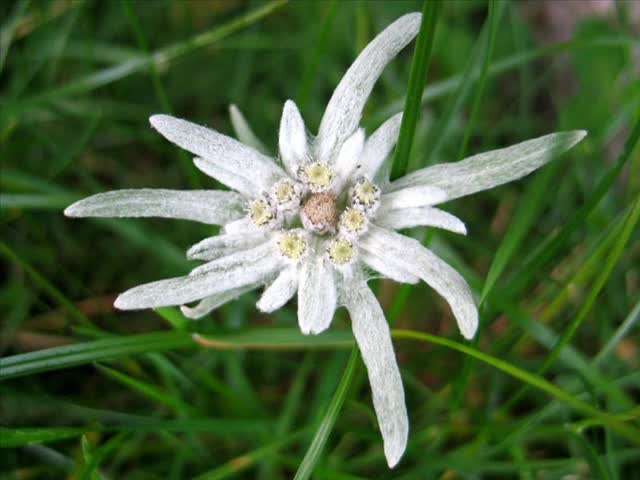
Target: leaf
x: 87, y: 352
x: 328, y: 421
x: 417, y: 79
x: 19, y: 437
x: 276, y: 339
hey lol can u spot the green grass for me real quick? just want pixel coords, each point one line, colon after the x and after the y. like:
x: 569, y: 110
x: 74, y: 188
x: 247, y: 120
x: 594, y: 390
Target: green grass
x: 550, y: 386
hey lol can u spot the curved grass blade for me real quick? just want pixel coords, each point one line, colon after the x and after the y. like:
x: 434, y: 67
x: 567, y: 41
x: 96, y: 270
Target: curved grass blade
x: 319, y: 45
x: 158, y: 88
x: 438, y: 134
x: 632, y: 319
x: 105, y: 349
x: 548, y: 248
x: 275, y: 339
x: 417, y: 78
x: 529, y: 209
x: 451, y: 84
x: 44, y: 284
x: 242, y: 463
x: 328, y: 421
x: 159, y: 58
x: 19, y: 437
x: 618, y: 248
x: 617, y: 425
x: 87, y: 352
x: 147, y: 390
x: 488, y: 52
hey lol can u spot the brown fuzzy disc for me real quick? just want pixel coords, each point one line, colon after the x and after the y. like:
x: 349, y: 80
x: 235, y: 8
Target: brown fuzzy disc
x: 320, y: 212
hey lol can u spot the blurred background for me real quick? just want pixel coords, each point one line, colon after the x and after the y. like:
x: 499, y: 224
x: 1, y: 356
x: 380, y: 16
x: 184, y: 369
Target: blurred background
x: 78, y: 81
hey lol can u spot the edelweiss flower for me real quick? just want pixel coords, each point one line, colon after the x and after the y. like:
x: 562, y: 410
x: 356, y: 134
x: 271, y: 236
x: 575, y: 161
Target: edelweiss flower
x: 316, y: 222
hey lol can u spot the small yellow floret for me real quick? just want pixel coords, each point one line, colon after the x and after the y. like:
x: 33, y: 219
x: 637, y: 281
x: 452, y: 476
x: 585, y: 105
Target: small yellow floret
x: 352, y: 220
x: 284, y: 191
x: 260, y: 212
x: 318, y: 175
x: 292, y: 246
x: 365, y: 193
x: 341, y: 251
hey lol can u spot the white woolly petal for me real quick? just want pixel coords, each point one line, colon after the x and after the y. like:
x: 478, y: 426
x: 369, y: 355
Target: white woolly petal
x: 420, y: 217
x: 292, y: 139
x: 219, y: 150
x: 182, y: 290
x: 242, y: 226
x: 206, y: 206
x: 412, y: 197
x: 282, y: 289
x: 407, y: 253
x: 378, y: 147
x: 246, y: 187
x: 490, y: 169
x: 347, y: 160
x: 215, y: 247
x: 212, y: 302
x: 316, y: 295
x: 239, y: 258
x: 243, y: 130
x: 372, y: 334
x: 388, y: 269
x: 344, y: 109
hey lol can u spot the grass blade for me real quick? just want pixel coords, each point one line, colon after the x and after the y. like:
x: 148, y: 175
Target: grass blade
x: 417, y: 78
x: 533, y: 380
x: 19, y: 437
x: 328, y: 421
x: 88, y: 352
x: 488, y: 52
x: 629, y: 226
x: 275, y: 339
x: 547, y: 249
x: 159, y: 58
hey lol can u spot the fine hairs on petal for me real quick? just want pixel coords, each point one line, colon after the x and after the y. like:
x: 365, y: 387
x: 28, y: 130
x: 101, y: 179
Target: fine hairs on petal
x: 182, y: 290
x: 378, y: 147
x: 224, y: 152
x: 388, y: 269
x: 408, y: 254
x: 317, y: 295
x: 372, y: 334
x: 292, y: 139
x: 344, y: 109
x: 210, y: 303
x: 222, y: 245
x: 347, y: 160
x: 490, y: 169
x: 282, y: 290
x: 243, y: 130
x: 205, y: 206
x: 413, y: 197
x: 420, y: 217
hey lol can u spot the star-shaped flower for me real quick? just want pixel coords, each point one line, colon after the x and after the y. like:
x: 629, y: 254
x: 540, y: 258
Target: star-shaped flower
x: 317, y: 221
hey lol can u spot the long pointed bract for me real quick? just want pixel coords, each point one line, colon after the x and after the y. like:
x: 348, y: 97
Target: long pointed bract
x: 206, y: 206
x: 372, y: 334
x: 344, y: 109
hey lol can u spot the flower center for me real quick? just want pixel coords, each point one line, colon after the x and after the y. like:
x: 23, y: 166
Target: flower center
x: 365, y: 194
x: 318, y: 176
x: 353, y: 221
x: 319, y: 213
x: 292, y: 245
x: 341, y: 251
x: 260, y: 212
x: 284, y: 192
